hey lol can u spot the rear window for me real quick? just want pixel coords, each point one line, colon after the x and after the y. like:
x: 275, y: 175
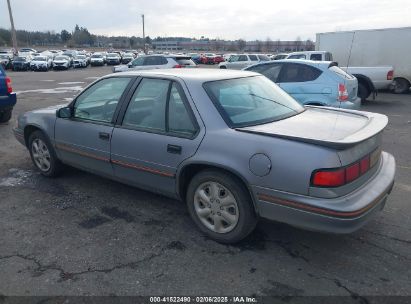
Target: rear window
x: 263, y: 58
x: 316, y: 57
x: 185, y: 61
x: 253, y: 57
x: 251, y: 101
x: 340, y: 72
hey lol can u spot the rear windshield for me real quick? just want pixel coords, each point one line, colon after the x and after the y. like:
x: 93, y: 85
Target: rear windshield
x: 340, y: 72
x: 185, y: 61
x: 251, y: 101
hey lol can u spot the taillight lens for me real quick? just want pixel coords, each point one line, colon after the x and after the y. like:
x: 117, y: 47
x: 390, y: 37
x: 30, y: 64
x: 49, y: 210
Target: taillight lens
x: 390, y: 75
x: 178, y: 66
x: 341, y: 176
x: 342, y: 92
x: 332, y: 178
x: 8, y: 84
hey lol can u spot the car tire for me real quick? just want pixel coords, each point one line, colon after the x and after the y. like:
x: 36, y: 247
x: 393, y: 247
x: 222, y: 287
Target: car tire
x: 401, y: 86
x: 5, y: 115
x: 363, y: 92
x: 223, y: 67
x: 228, y: 202
x: 43, y: 155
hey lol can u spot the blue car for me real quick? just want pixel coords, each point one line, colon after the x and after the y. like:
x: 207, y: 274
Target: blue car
x: 7, y: 97
x: 312, y: 82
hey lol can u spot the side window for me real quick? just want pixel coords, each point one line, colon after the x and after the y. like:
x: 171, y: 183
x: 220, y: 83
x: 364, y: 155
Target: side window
x: 316, y: 57
x: 99, y: 102
x: 253, y: 57
x: 271, y: 71
x: 242, y: 58
x: 147, y: 107
x: 138, y: 61
x: 155, y: 60
x: 179, y: 120
x: 299, y: 73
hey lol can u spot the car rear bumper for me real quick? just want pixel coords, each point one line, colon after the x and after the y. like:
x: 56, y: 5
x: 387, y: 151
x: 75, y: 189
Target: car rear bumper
x: 351, y: 105
x: 8, y: 101
x: 338, y: 215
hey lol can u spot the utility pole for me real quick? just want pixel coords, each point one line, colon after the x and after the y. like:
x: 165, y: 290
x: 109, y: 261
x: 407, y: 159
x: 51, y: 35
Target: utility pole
x: 144, y: 35
x: 13, y: 30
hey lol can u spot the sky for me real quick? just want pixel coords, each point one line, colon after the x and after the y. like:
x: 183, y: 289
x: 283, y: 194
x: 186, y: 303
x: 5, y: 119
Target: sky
x: 250, y: 20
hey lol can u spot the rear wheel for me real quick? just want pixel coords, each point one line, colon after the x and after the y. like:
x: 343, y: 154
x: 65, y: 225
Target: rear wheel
x: 5, y: 115
x: 363, y: 91
x: 223, y: 67
x: 43, y: 155
x: 401, y: 86
x: 220, y: 206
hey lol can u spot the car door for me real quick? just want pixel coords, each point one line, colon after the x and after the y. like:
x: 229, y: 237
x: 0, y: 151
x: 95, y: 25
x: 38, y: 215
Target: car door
x: 299, y: 80
x: 158, y: 131
x: 84, y: 139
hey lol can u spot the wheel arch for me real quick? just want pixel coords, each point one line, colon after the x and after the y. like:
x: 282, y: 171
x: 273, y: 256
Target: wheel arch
x: 29, y: 129
x: 189, y: 170
x: 365, y: 80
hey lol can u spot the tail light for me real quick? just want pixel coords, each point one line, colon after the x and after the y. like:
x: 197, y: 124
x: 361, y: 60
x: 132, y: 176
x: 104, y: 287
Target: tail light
x: 390, y: 75
x: 178, y: 66
x: 342, y: 92
x: 8, y: 84
x: 341, y: 176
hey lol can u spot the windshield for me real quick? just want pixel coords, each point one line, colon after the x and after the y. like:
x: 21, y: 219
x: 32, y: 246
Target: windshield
x: 4, y: 56
x: 81, y: 57
x: 60, y: 58
x: 112, y: 55
x: 20, y: 59
x: 38, y: 58
x: 251, y: 101
x: 96, y: 56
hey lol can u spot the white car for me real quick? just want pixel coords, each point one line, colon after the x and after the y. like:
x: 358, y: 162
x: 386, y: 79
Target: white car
x: 61, y: 63
x: 151, y: 62
x: 80, y: 61
x: 97, y: 59
x: 40, y: 63
x: 238, y: 62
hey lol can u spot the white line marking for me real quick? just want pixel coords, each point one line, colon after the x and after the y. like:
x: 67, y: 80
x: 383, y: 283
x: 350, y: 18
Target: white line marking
x: 60, y: 90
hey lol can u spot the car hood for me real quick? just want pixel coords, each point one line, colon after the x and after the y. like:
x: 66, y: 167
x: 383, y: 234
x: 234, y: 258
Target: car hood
x: 330, y: 127
x: 49, y: 110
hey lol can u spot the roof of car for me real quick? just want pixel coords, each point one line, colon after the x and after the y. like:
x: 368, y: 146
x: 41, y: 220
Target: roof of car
x: 190, y: 75
x: 325, y: 64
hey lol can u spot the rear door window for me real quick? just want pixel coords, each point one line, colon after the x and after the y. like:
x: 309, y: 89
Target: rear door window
x: 253, y: 57
x: 299, y: 56
x: 271, y: 71
x: 155, y: 60
x: 242, y: 58
x: 295, y: 72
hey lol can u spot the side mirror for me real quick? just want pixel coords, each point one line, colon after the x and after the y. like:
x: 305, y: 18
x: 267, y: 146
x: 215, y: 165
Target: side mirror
x: 129, y: 64
x: 64, y: 112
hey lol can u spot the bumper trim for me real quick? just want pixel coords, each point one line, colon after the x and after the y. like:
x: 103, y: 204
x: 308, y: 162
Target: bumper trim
x: 325, y: 211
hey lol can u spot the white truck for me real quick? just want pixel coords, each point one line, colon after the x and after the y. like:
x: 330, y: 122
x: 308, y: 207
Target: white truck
x: 370, y: 48
x: 370, y: 79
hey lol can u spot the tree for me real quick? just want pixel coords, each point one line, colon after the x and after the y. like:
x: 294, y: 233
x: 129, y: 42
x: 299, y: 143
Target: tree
x: 267, y: 45
x: 241, y: 44
x: 259, y: 45
x: 309, y: 45
x: 65, y: 36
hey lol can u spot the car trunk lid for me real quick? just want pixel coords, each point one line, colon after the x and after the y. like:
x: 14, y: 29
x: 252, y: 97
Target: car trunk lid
x: 333, y: 128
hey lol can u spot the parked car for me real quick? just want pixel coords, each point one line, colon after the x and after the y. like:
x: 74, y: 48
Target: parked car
x: 80, y: 61
x: 127, y: 57
x: 61, y: 63
x: 113, y: 59
x: 196, y: 58
x: 238, y: 62
x: 40, y: 63
x: 208, y: 140
x: 218, y: 59
x: 97, y: 59
x: 7, y: 97
x: 228, y: 56
x: 208, y: 58
x: 370, y: 79
x: 312, y: 82
x: 150, y: 62
x: 21, y: 63
x: 6, y: 61
x: 279, y: 56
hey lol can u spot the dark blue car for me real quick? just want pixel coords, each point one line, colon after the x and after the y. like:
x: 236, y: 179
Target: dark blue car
x: 7, y: 97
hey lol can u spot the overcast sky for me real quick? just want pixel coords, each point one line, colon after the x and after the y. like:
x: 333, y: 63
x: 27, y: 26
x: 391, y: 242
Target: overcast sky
x: 251, y: 19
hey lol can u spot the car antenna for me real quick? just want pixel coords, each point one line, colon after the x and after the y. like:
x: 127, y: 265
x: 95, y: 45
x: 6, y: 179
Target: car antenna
x: 349, y: 55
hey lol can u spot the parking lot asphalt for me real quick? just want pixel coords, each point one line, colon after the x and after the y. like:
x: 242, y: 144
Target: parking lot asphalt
x: 81, y: 234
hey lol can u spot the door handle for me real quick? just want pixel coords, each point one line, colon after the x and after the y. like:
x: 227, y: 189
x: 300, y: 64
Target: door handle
x: 174, y: 149
x: 104, y: 136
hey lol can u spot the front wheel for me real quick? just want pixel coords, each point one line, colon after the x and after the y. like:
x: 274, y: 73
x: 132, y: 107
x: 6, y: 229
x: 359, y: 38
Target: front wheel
x: 43, y: 155
x: 220, y: 206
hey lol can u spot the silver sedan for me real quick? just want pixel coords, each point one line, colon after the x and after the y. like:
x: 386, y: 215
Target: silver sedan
x: 231, y: 144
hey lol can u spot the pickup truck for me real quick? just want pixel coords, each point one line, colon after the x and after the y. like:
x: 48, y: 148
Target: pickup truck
x: 370, y: 79
x: 7, y: 97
